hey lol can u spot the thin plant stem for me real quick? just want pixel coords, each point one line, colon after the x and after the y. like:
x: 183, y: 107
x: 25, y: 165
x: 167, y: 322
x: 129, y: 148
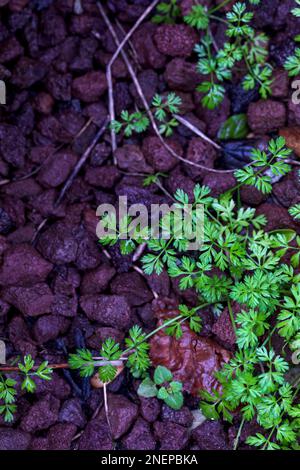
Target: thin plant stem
x: 231, y: 315
x: 237, y: 439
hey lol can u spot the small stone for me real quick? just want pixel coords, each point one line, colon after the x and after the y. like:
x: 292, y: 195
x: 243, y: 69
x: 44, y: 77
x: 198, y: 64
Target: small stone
x: 223, y: 329
x: 109, y: 310
x: 219, y: 183
x: 66, y: 281
x: 182, y: 75
x: 140, y: 437
x: 252, y: 196
x: 6, y: 224
x: 60, y: 436
x: 39, y: 443
x: 23, y: 266
x: 177, y: 40
x: 64, y: 305
x: 281, y: 84
x: 27, y: 72
x: 159, y: 283
x: 90, y: 87
x: 49, y: 327
x: 143, y: 41
x: 71, y: 412
x: 59, y: 85
x: 97, y: 281
x: 41, y: 415
x: 184, y: 416
x: 22, y: 189
x: 171, y: 436
x: 201, y: 153
x: 58, y: 244
x: 148, y: 80
x: 12, y: 145
x: 133, y: 287
x: 102, y: 333
x: 104, y: 177
x: 57, y: 169
x: 131, y: 158
x: 158, y: 156
x: 88, y: 253
x: 96, y: 435
x: 150, y: 409
x: 43, y: 102
x: 287, y: 190
x: 14, y: 439
x: 122, y: 413
x: 10, y: 49
x: 277, y: 217
x: 57, y: 386
x: 210, y: 435
x: 31, y: 301
x: 266, y: 116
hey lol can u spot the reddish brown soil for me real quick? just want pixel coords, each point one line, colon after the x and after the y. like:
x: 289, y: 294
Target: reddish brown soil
x: 58, y: 289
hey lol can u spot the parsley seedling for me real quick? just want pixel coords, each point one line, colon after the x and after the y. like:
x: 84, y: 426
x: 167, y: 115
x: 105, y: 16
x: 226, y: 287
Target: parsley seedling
x: 138, y: 122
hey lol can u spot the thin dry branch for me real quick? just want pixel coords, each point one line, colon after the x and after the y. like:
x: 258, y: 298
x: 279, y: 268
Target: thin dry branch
x: 143, y: 99
x: 81, y: 162
x: 132, y: 48
x: 196, y: 131
x: 120, y: 46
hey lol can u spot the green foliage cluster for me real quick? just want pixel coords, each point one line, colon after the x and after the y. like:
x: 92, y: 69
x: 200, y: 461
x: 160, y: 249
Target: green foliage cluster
x: 163, y: 387
x: 167, y: 12
x: 275, y: 160
x: 292, y: 64
x: 8, y: 386
x: 138, y: 122
x: 244, y: 47
x: 135, y: 356
x: 254, y: 277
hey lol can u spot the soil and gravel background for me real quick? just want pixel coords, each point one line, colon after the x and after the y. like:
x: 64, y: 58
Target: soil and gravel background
x: 59, y: 291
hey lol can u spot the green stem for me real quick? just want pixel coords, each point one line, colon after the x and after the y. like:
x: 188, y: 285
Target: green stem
x: 282, y: 413
x: 231, y: 315
x: 236, y: 440
x: 218, y: 7
x: 269, y: 336
x: 218, y: 18
x: 165, y: 325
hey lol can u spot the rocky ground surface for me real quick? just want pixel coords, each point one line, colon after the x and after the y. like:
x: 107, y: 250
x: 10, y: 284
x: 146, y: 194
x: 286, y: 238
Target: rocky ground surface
x: 59, y: 290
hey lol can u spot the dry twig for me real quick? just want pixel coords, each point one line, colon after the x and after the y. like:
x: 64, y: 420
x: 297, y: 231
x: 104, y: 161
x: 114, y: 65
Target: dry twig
x: 120, y: 46
x: 80, y: 163
x: 143, y: 99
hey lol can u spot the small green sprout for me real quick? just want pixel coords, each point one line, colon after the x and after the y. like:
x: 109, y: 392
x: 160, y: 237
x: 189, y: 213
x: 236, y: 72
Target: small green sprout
x: 167, y: 12
x: 163, y: 108
x: 163, y: 387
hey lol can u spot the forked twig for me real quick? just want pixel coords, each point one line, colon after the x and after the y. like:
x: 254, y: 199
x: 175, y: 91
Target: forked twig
x: 142, y: 97
x: 133, y: 50
x: 120, y: 46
